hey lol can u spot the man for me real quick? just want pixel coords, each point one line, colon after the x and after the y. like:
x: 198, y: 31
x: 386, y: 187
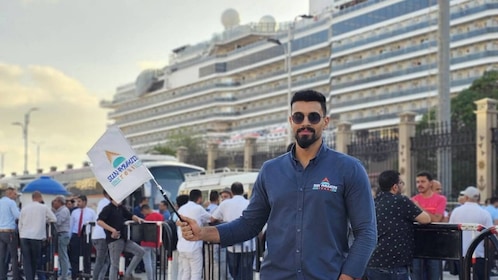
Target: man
x: 214, y: 201
x: 32, y: 230
x: 112, y: 219
x: 80, y: 219
x: 150, y: 256
x: 163, y: 209
x: 62, y: 227
x: 472, y: 212
x: 438, y: 188
x: 190, y: 252
x: 395, y: 242
x: 240, y: 256
x: 98, y: 241
x: 434, y: 204
x: 137, y: 210
x: 306, y: 197
x: 491, y: 207
x: 225, y: 194
x: 9, y: 213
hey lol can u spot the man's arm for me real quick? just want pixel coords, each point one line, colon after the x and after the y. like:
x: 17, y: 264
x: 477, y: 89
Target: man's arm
x: 192, y: 232
x: 423, y: 218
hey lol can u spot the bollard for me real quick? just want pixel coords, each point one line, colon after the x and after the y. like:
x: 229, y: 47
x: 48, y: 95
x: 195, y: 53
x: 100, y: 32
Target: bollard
x: 121, y: 265
x: 56, y: 263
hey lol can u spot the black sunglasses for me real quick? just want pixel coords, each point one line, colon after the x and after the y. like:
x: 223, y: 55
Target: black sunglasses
x: 313, y: 117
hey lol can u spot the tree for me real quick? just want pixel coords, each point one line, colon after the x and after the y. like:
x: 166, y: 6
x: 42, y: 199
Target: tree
x: 462, y: 105
x: 176, y: 140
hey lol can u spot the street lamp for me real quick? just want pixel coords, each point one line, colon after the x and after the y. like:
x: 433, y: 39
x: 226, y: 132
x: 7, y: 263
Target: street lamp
x: 38, y: 144
x: 24, y: 127
x: 288, y: 64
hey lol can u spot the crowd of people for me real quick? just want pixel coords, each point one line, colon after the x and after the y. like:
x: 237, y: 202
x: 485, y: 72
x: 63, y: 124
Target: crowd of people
x: 74, y: 222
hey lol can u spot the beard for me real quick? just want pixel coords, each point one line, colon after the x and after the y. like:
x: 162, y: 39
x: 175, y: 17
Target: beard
x: 306, y: 140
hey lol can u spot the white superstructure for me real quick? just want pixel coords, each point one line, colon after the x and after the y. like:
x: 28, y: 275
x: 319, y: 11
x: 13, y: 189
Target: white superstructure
x: 373, y: 59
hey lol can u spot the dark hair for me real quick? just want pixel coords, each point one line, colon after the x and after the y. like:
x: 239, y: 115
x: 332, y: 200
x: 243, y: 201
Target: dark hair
x: 194, y: 195
x: 425, y: 174
x: 237, y: 188
x: 310, y: 95
x: 387, y: 179
x: 214, y: 196
x: 181, y: 200
x: 164, y: 202
x: 144, y: 207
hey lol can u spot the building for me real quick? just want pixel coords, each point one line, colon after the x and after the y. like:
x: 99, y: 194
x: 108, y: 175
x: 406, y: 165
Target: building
x: 374, y: 59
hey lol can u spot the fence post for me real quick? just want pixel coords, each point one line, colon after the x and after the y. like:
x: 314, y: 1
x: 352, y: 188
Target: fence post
x: 212, y: 155
x: 343, y: 137
x: 486, y: 115
x: 249, y: 147
x: 405, y: 165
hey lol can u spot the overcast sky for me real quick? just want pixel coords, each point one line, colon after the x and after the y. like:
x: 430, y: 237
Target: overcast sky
x: 64, y: 56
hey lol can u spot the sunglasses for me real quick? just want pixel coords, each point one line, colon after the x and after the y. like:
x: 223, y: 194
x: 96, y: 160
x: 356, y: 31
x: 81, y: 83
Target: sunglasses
x: 313, y: 117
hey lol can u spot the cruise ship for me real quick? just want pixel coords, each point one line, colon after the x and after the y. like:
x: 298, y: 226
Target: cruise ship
x: 372, y: 58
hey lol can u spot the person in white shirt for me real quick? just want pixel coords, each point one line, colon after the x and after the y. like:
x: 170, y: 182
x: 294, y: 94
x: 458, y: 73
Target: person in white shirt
x: 32, y: 230
x: 472, y: 212
x: 98, y: 240
x: 190, y: 252
x: 240, y: 256
x: 81, y: 217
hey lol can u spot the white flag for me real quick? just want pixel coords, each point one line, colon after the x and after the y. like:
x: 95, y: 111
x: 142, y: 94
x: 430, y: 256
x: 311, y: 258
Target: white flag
x: 116, y: 166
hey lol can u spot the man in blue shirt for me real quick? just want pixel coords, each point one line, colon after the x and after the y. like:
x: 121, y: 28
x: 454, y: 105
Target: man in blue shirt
x: 306, y: 197
x: 9, y: 240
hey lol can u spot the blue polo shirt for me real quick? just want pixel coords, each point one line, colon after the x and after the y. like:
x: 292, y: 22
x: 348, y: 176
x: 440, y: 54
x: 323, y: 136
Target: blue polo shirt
x: 307, y: 213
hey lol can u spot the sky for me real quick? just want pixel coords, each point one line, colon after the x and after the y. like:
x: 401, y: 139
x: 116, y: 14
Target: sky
x: 64, y: 56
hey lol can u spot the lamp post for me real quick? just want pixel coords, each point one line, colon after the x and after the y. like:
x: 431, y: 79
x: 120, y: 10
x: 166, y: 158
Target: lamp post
x: 24, y: 127
x: 38, y: 144
x: 288, y: 64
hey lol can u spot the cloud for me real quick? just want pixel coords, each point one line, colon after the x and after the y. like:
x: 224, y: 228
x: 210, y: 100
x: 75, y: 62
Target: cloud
x: 67, y: 123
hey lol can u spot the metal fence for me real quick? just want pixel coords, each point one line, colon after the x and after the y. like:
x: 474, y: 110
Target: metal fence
x: 459, y: 142
x: 376, y: 153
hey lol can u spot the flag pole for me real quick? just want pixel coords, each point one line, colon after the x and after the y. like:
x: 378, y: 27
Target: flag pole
x: 165, y: 196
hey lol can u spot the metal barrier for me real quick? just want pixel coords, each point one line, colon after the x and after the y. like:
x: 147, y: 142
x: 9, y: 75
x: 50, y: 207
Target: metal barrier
x: 164, y: 235
x: 488, y: 235
x: 438, y: 240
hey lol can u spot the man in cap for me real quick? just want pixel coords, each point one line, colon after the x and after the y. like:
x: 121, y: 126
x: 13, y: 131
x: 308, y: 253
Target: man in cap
x: 472, y: 212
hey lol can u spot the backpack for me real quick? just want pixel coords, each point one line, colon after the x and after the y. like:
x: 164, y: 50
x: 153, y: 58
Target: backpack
x: 170, y: 235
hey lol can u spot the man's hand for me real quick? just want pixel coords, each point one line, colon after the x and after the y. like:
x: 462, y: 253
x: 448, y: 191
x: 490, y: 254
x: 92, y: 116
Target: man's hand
x: 190, y: 229
x: 345, y: 277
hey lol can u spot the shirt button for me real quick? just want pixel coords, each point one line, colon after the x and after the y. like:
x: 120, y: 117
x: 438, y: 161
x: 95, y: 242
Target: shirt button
x: 300, y: 189
x: 298, y: 230
x: 299, y: 271
x: 297, y: 251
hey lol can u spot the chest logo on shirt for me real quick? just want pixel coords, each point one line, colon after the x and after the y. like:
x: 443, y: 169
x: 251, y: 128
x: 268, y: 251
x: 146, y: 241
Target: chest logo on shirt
x: 325, y: 186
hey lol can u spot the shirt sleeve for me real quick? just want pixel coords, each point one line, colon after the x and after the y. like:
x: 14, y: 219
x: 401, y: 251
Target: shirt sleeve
x: 104, y: 214
x: 14, y: 210
x: 127, y: 214
x: 361, y: 209
x: 411, y: 210
x: 50, y: 215
x: 253, y: 218
x: 441, y: 205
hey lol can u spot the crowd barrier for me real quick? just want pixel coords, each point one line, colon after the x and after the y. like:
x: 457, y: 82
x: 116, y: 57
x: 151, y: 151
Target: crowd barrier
x: 442, y: 241
x: 432, y: 241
